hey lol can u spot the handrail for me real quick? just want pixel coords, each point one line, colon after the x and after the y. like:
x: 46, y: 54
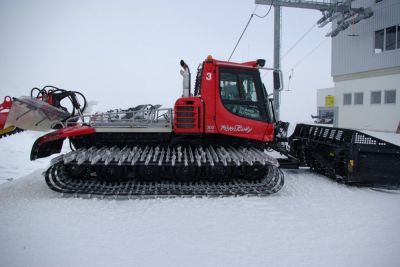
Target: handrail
x: 137, y: 118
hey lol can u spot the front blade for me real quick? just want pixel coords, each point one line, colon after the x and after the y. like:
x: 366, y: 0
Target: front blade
x: 34, y: 114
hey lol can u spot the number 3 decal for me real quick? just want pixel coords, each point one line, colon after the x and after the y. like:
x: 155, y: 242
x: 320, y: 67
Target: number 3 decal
x: 208, y: 76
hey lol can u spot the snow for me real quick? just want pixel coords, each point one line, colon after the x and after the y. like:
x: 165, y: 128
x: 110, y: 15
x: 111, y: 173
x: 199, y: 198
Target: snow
x: 312, y: 221
x: 15, y: 152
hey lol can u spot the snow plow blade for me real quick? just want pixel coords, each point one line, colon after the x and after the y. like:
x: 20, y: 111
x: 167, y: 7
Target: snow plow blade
x: 43, y: 110
x: 349, y: 156
x: 29, y: 113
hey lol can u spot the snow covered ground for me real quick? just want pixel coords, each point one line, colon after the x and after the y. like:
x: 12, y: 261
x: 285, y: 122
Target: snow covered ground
x: 312, y: 221
x: 14, y: 156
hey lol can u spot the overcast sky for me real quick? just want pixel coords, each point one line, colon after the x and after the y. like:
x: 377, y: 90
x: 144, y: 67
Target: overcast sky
x: 124, y: 53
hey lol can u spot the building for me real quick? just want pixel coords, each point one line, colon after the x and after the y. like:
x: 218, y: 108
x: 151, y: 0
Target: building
x: 366, y: 71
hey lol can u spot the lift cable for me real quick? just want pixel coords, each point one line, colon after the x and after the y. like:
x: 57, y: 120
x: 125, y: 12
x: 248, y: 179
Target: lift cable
x: 247, y: 25
x: 295, y: 44
x: 309, y: 53
x: 298, y: 41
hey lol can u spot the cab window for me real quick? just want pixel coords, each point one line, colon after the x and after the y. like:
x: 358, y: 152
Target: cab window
x: 249, y: 88
x: 229, y: 87
x: 239, y: 93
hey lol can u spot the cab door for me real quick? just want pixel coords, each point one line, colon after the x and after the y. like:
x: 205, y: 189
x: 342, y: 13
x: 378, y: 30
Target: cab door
x: 240, y: 107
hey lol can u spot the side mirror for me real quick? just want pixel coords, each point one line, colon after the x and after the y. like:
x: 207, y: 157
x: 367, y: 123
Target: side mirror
x: 278, y: 81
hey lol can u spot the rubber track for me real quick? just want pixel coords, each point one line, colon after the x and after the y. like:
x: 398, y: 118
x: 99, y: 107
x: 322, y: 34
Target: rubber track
x: 15, y: 131
x: 58, y: 181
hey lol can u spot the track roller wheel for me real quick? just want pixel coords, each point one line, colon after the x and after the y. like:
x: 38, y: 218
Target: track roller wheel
x: 149, y: 172
x: 77, y: 171
x: 220, y: 172
x: 110, y: 173
x: 185, y: 173
x: 257, y: 171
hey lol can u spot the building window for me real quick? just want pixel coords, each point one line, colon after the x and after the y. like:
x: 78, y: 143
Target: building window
x: 387, y: 39
x: 390, y: 96
x: 398, y: 36
x: 390, y: 38
x: 346, y: 99
x: 379, y: 40
x: 376, y: 97
x: 358, y: 98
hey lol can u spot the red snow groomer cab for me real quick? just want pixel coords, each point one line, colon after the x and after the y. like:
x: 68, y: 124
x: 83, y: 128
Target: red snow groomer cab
x: 229, y: 99
x: 213, y: 139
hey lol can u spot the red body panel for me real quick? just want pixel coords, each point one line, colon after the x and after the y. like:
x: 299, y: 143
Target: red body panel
x: 4, y: 109
x: 66, y: 132
x: 52, y: 143
x: 208, y: 93
x: 3, y: 119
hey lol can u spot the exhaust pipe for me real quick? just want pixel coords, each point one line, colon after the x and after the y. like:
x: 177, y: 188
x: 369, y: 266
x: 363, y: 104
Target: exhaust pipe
x: 186, y: 79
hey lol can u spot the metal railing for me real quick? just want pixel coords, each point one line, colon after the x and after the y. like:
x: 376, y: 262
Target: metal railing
x: 142, y: 118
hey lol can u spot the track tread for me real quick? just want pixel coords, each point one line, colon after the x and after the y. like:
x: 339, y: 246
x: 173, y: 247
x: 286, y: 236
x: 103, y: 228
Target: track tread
x: 14, y: 131
x: 57, y: 180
